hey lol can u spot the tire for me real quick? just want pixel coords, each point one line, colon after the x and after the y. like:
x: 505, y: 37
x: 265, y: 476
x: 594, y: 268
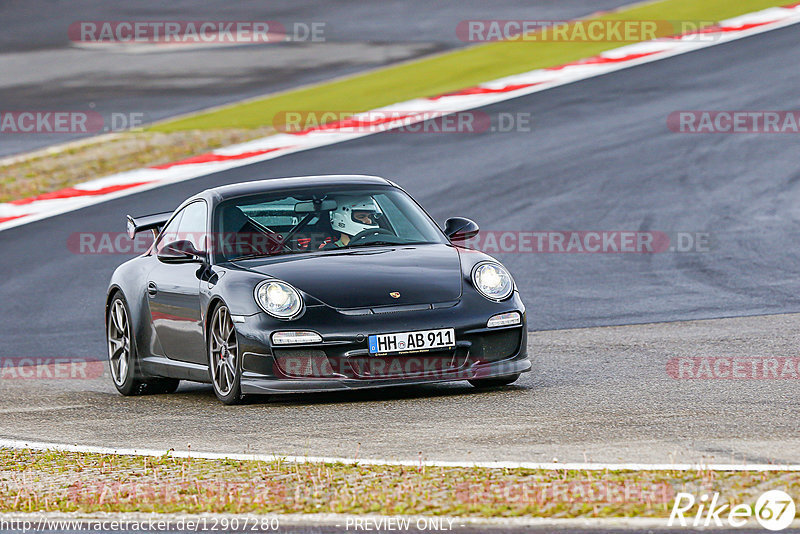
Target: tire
x: 224, y: 361
x: 122, y: 348
x: 123, y: 361
x: 495, y: 382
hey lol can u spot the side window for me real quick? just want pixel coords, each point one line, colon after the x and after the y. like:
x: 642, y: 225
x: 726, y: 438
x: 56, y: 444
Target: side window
x: 170, y: 231
x: 193, y: 225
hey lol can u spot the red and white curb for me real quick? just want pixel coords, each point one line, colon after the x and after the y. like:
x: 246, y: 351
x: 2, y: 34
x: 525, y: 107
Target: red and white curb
x: 246, y: 457
x: 23, y: 211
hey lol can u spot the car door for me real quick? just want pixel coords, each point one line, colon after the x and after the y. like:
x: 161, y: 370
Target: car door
x: 173, y: 289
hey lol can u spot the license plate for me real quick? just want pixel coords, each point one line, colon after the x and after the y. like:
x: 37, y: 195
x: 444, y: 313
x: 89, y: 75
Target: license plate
x: 422, y: 340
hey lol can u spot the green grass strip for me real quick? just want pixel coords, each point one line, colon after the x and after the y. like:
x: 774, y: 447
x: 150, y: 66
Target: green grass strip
x: 42, y: 481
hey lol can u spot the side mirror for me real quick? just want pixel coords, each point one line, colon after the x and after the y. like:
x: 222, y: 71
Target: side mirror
x: 180, y: 252
x: 460, y: 229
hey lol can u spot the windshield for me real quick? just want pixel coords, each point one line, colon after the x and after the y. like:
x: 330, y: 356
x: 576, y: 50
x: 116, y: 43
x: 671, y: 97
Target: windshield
x: 310, y: 220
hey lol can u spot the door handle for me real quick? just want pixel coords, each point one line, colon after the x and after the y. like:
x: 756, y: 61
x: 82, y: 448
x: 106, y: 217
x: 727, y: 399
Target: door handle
x: 152, y: 289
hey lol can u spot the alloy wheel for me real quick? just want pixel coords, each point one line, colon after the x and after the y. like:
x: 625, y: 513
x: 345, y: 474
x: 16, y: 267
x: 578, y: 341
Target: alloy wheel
x: 119, y: 343
x: 224, y: 352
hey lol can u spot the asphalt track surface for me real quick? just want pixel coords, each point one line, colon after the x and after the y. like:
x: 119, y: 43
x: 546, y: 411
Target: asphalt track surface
x: 42, y: 70
x: 600, y: 157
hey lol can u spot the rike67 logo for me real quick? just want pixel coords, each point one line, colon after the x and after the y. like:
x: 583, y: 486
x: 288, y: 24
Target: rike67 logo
x: 774, y: 510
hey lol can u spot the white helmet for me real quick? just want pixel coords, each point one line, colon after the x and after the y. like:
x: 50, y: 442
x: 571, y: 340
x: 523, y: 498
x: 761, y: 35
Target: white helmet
x: 342, y: 219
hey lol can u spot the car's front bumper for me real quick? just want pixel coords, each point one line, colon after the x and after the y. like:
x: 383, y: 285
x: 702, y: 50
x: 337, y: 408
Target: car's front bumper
x: 343, y: 362
x: 255, y: 384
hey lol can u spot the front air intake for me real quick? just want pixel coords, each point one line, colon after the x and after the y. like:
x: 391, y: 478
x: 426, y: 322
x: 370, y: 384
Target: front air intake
x: 302, y: 363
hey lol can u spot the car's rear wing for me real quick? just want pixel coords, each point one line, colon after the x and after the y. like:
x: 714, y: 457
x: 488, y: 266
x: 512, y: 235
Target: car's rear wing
x: 147, y: 222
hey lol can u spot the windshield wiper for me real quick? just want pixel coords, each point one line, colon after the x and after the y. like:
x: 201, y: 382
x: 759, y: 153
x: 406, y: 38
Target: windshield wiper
x: 250, y: 256
x: 354, y: 245
x: 280, y: 252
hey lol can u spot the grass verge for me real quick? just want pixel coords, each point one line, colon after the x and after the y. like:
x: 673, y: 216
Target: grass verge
x: 124, y: 152
x: 193, y: 135
x: 38, y: 481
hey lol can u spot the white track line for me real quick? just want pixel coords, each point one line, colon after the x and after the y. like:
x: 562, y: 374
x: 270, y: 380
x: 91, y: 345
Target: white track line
x: 575, y: 466
x: 282, y: 144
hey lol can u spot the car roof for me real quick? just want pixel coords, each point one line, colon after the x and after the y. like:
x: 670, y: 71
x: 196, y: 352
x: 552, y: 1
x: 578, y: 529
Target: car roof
x: 283, y: 184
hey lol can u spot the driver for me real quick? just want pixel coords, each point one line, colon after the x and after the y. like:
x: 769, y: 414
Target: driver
x: 352, y: 216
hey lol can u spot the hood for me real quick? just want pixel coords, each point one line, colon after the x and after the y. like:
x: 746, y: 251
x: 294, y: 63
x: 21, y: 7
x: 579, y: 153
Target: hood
x: 363, y: 278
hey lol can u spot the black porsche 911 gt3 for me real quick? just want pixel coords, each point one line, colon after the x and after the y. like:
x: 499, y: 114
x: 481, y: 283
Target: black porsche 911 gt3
x: 310, y: 284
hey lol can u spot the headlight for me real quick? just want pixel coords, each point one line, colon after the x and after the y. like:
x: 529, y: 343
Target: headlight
x: 279, y: 299
x: 492, y: 281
